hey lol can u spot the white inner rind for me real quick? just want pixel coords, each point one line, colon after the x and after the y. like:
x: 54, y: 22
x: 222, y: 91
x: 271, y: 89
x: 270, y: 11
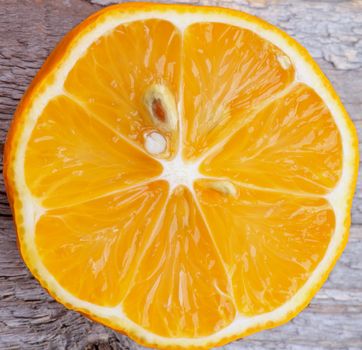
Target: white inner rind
x: 305, y: 72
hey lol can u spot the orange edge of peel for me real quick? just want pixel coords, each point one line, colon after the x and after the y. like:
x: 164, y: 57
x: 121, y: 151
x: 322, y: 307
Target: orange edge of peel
x: 48, y: 70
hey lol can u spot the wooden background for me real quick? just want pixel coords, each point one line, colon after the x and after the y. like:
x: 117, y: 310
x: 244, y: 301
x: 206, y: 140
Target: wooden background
x: 30, y: 319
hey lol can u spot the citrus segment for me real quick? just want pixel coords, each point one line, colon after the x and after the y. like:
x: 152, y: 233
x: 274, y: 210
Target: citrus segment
x: 72, y: 158
x: 102, y: 253
x: 227, y: 72
x: 292, y: 144
x: 270, y: 242
x: 180, y: 288
x: 113, y: 76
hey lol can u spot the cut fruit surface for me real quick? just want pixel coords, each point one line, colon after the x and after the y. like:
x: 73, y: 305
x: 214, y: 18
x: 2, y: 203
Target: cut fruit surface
x: 181, y: 288
x: 83, y: 160
x: 291, y: 145
x: 105, y: 251
x: 181, y: 174
x: 116, y: 96
x: 270, y: 242
x: 228, y: 70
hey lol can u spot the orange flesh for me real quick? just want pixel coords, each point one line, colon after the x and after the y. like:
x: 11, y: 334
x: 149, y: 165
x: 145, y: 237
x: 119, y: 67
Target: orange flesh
x: 181, y: 287
x: 101, y: 253
x: 294, y: 136
x: 228, y: 71
x: 270, y: 242
x: 179, y: 264
x: 71, y: 157
x: 112, y: 77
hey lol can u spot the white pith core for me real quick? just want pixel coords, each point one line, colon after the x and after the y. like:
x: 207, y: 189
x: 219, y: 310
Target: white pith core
x: 177, y: 172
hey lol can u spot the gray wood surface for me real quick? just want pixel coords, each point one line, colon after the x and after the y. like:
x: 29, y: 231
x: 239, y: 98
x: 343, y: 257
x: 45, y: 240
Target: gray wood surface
x: 30, y: 319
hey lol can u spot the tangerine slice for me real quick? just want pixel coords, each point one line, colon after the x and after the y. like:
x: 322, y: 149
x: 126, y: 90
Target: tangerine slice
x: 181, y: 174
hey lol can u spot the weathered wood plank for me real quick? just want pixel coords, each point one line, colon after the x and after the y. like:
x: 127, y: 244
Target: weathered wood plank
x: 30, y: 319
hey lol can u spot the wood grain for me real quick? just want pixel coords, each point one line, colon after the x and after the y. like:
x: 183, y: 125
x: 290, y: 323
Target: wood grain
x: 31, y: 319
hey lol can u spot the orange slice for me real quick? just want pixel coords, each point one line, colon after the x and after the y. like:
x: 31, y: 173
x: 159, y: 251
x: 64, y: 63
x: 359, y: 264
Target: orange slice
x: 181, y: 174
